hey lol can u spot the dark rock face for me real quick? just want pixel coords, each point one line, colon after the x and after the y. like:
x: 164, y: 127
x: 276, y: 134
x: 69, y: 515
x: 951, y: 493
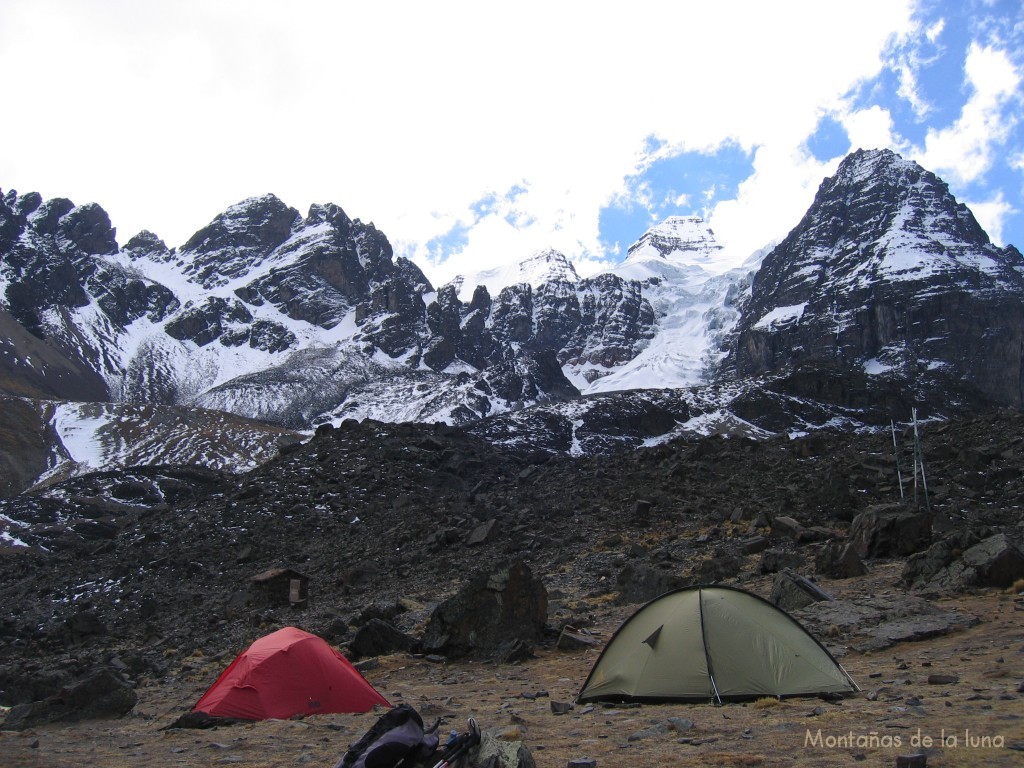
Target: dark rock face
x: 888, y: 275
x: 615, y: 322
x: 209, y: 321
x: 242, y: 236
x: 839, y: 561
x: 331, y: 264
x: 56, y: 259
x: 36, y: 368
x: 493, y: 613
x: 888, y: 531
x: 101, y: 695
x: 88, y: 227
x: 965, y: 560
x: 604, y: 320
x: 377, y: 637
x: 26, y: 455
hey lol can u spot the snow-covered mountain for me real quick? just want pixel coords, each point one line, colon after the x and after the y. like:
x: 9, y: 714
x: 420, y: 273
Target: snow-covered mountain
x: 693, y: 294
x: 544, y: 266
x: 886, y: 295
x: 890, y: 282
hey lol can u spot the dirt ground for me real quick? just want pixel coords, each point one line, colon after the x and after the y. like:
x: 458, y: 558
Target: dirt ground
x: 978, y: 720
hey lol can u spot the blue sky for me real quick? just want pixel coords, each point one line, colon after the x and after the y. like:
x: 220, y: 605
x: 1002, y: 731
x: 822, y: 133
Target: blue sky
x: 474, y: 134
x: 948, y: 94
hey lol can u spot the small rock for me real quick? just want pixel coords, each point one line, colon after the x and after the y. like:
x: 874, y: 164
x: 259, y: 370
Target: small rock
x: 943, y: 679
x: 680, y: 723
x: 560, y: 707
x: 571, y: 640
x: 912, y: 761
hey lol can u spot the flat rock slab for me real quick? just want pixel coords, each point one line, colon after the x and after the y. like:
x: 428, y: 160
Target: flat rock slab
x: 879, y: 622
x: 912, y: 629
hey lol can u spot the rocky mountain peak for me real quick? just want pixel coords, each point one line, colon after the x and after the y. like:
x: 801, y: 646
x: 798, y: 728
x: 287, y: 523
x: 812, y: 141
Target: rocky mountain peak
x: 238, y: 239
x: 881, y: 219
x: 547, y: 265
x: 544, y: 266
x: 889, y: 277
x: 677, y: 238
x: 146, y: 243
x: 680, y: 248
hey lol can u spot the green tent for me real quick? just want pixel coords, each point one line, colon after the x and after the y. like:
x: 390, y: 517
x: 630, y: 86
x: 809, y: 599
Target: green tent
x: 712, y: 643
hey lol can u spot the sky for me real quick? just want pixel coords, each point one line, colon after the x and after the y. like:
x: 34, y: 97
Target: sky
x: 474, y: 134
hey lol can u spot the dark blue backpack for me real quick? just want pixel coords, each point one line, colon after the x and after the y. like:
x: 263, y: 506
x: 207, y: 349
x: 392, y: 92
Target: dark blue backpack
x: 396, y: 740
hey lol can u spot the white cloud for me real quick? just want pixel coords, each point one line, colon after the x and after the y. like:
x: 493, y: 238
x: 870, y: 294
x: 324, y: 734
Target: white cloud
x: 405, y: 113
x: 992, y: 214
x: 964, y: 150
x: 771, y: 201
x: 869, y: 128
x: 932, y: 33
x: 910, y: 56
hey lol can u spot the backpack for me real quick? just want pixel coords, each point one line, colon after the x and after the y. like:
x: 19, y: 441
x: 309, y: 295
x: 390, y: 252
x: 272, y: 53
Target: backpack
x: 396, y: 740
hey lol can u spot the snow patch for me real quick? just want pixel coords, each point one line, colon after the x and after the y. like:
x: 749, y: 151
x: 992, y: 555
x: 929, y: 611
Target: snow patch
x: 781, y: 317
x: 875, y: 367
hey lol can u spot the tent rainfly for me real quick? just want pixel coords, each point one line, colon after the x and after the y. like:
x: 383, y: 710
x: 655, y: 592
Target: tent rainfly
x: 712, y: 643
x: 288, y: 673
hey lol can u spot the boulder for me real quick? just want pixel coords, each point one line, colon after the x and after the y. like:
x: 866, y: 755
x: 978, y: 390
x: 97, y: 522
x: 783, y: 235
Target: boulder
x: 891, y: 530
x: 922, y: 567
x: 775, y: 560
x: 641, y: 583
x: 495, y: 612
x: 501, y: 748
x: 791, y: 591
x: 784, y: 526
x: 572, y: 640
x: 755, y: 544
x: 839, y: 561
x: 83, y: 625
x: 483, y: 533
x: 996, y: 561
x: 101, y: 695
x: 718, y: 569
x: 378, y: 638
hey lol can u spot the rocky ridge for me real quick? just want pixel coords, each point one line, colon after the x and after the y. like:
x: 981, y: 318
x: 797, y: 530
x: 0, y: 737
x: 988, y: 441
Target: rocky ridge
x: 886, y: 297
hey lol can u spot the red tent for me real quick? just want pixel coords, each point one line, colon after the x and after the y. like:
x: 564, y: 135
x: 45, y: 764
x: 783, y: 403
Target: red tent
x: 288, y: 673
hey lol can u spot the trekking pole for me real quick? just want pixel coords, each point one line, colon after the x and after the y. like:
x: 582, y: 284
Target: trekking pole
x: 913, y: 417
x: 896, y: 451
x: 919, y: 458
x: 463, y: 744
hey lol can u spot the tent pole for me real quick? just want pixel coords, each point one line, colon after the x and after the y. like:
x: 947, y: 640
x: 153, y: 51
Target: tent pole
x: 848, y: 678
x: 707, y: 656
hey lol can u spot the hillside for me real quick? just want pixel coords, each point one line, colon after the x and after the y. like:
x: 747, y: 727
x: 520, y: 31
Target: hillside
x: 375, y: 512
